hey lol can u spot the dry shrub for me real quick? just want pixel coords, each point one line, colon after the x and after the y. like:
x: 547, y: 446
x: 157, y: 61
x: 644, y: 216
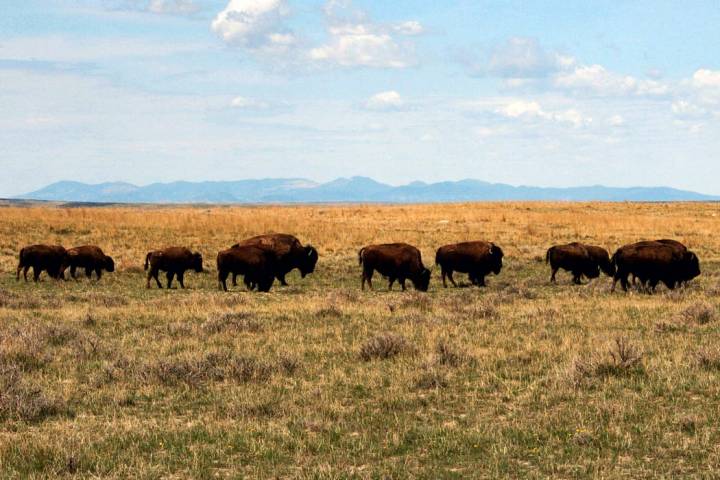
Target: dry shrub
x: 88, y: 346
x: 451, y: 356
x: 330, y: 311
x: 232, y: 321
x: 20, y: 399
x: 28, y: 300
x: 23, y: 348
x: 699, y: 313
x: 384, y: 346
x: 431, y: 379
x: 215, y: 367
x: 623, y: 358
x: 415, y: 299
x: 708, y: 358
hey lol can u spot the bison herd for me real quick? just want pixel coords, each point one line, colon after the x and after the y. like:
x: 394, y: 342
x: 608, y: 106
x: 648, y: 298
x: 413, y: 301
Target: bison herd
x: 262, y: 259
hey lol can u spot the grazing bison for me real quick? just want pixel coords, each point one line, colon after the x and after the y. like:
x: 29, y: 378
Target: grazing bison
x: 289, y: 254
x: 174, y: 261
x: 577, y: 259
x: 477, y: 259
x: 653, y: 262
x: 671, y: 243
x: 41, y: 257
x: 258, y: 266
x: 396, y: 261
x: 89, y: 257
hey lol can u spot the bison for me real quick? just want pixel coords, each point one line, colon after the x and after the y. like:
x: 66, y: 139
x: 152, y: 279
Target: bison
x: 579, y: 259
x: 89, y: 257
x: 671, y: 243
x: 396, y: 261
x: 477, y: 259
x: 289, y: 254
x: 653, y: 262
x: 258, y: 266
x: 173, y: 260
x: 41, y: 257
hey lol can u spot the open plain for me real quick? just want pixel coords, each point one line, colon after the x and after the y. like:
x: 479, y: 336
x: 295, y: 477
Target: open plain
x: 322, y: 380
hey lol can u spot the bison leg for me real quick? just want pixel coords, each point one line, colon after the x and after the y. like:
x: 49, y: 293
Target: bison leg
x: 249, y: 283
x: 98, y: 272
x: 450, y: 276
x: 25, y: 270
x: 367, y: 277
x: 576, y: 278
x: 36, y: 273
x: 17, y: 274
x: 552, y: 276
x: 181, y: 279
x: 479, y: 280
x: 391, y: 280
x: 443, y: 273
x: 234, y: 279
x: 222, y: 280
x: 169, y: 275
x: 402, y: 283
x: 88, y: 273
x: 281, y: 279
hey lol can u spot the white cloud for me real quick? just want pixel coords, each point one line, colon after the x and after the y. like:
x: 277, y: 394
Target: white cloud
x: 685, y: 109
x: 531, y: 110
x: 410, y: 27
x: 249, y: 103
x: 705, y: 78
x: 363, y: 45
x: 181, y: 7
x: 596, y: 79
x: 390, y: 100
x: 355, y: 41
x: 616, y: 121
x: 255, y: 25
x: 518, y: 58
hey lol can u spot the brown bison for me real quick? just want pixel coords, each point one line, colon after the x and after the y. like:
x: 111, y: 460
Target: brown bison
x: 653, y: 262
x: 579, y: 259
x: 396, y: 261
x: 289, y: 254
x: 477, y: 259
x: 671, y: 243
x: 89, y: 257
x: 257, y: 265
x: 41, y: 257
x: 173, y: 260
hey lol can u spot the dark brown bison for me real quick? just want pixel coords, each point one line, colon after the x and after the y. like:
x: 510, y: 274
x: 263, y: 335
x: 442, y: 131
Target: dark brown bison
x: 477, y: 259
x: 671, y: 243
x: 396, y: 261
x: 173, y: 260
x: 41, y: 257
x: 577, y: 259
x: 289, y: 254
x: 89, y: 257
x: 257, y: 265
x: 653, y: 262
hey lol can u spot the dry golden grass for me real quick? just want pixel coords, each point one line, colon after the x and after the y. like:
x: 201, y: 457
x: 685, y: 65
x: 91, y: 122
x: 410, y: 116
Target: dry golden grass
x: 321, y: 380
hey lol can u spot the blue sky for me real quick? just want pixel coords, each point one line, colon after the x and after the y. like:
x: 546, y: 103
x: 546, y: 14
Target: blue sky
x: 523, y: 92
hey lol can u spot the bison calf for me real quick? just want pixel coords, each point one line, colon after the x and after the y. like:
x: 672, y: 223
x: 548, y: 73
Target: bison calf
x: 396, y: 261
x: 579, y: 259
x: 89, y: 257
x: 477, y: 259
x: 175, y: 261
x: 41, y: 257
x: 257, y: 265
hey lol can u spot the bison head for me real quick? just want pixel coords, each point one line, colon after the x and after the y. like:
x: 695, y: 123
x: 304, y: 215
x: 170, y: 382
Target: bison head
x: 197, y: 262
x: 496, y: 254
x: 308, y: 261
x: 109, y: 264
x: 422, y: 280
x: 691, y: 266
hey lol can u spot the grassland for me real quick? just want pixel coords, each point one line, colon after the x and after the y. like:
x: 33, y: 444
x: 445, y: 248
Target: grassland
x: 320, y: 380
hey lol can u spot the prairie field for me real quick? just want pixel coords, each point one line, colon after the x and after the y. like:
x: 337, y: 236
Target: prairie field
x: 319, y: 379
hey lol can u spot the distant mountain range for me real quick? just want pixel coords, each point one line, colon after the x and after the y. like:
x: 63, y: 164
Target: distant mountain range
x: 355, y: 189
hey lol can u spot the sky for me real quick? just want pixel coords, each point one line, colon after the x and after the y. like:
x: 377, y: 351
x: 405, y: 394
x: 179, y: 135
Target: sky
x: 543, y: 93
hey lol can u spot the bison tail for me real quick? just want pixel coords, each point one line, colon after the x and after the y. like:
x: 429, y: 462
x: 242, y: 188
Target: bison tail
x: 147, y: 260
x: 360, y: 255
x: 547, y: 254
